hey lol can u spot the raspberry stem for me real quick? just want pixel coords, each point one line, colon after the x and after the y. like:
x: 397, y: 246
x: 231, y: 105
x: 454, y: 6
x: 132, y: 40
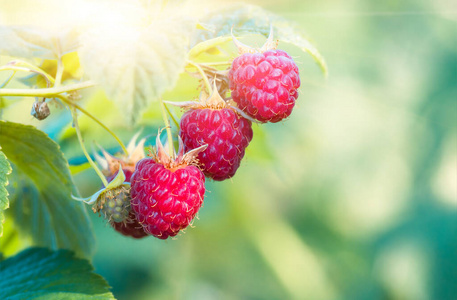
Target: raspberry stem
x: 171, y: 116
x: 59, y: 72
x: 47, y: 92
x: 202, y: 73
x: 74, y: 105
x: 58, y: 81
x: 55, y: 92
x: 81, y: 142
x: 22, y: 66
x: 171, y: 150
x: 220, y: 63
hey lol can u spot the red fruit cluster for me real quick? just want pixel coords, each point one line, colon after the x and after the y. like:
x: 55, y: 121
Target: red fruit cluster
x: 264, y: 85
x: 165, y: 200
x: 226, y: 133
x: 167, y: 191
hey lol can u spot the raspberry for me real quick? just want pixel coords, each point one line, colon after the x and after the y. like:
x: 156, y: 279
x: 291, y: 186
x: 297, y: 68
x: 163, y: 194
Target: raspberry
x: 226, y: 133
x: 214, y: 122
x: 166, y: 192
x: 264, y: 85
x: 113, y: 200
x: 115, y: 204
x: 131, y: 227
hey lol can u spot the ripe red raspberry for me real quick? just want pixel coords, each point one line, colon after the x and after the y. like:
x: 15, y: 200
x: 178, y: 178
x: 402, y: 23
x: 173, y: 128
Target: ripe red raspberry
x: 167, y: 193
x: 226, y: 133
x: 264, y: 85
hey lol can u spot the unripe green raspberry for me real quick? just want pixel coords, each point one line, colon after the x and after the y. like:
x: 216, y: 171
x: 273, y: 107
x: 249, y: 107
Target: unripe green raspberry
x: 115, y: 204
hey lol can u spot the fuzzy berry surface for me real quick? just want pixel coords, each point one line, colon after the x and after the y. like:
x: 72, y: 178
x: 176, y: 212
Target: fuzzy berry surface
x: 130, y: 227
x: 227, y: 135
x: 164, y: 200
x: 264, y: 85
x: 116, y: 205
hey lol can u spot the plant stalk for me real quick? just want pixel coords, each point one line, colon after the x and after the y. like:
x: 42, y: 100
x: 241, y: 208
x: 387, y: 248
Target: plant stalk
x: 202, y: 73
x: 171, y: 116
x: 81, y: 142
x: 47, y: 92
x: 171, y: 150
x: 72, y: 104
x: 59, y: 73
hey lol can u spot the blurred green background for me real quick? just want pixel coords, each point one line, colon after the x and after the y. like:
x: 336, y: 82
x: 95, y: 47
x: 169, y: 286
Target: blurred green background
x: 353, y: 197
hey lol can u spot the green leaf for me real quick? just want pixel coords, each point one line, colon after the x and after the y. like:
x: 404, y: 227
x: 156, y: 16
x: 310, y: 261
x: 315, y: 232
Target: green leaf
x: 5, y: 169
x: 38, y: 273
x: 137, y: 63
x: 34, y: 42
x: 40, y: 189
x: 207, y: 46
x: 253, y: 19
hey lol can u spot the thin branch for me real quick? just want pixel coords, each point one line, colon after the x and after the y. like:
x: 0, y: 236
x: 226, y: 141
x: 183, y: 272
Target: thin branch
x: 171, y: 150
x: 72, y: 104
x: 81, y: 142
x: 47, y: 92
x: 172, y: 116
x: 202, y: 73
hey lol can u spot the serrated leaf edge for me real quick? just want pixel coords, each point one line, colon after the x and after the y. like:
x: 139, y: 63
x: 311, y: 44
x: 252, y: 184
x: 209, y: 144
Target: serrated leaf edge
x: 8, y: 171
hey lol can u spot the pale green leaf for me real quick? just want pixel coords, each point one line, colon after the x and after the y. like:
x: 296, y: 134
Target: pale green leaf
x: 245, y: 18
x: 207, y: 46
x: 5, y: 169
x: 137, y: 63
x: 34, y: 42
x: 40, y: 191
x: 38, y: 273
